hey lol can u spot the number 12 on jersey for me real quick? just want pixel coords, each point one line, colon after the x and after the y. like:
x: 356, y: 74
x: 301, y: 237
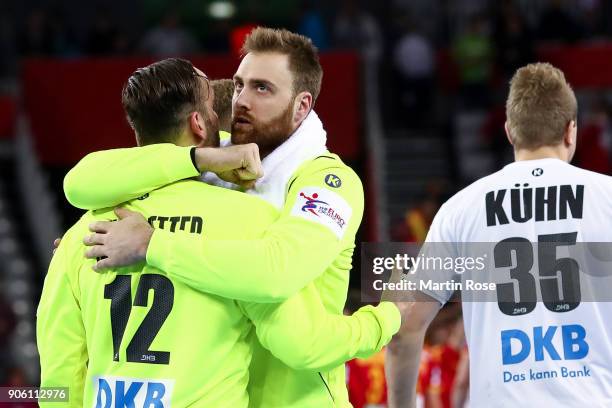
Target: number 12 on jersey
x: 119, y: 292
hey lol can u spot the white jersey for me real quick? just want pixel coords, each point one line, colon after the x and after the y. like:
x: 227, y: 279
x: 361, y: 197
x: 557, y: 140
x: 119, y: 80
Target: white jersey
x: 525, y: 353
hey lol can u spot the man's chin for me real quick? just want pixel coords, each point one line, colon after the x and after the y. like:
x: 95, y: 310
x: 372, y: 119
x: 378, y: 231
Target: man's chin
x: 239, y: 137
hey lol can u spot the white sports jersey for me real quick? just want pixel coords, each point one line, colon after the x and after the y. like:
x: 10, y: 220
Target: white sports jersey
x: 556, y: 353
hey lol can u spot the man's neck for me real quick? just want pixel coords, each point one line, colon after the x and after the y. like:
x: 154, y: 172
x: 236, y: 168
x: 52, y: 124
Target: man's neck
x: 263, y: 153
x: 184, y: 140
x: 544, y: 152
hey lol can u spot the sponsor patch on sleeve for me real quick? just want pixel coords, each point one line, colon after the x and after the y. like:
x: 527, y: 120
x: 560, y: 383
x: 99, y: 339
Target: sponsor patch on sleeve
x: 325, y: 207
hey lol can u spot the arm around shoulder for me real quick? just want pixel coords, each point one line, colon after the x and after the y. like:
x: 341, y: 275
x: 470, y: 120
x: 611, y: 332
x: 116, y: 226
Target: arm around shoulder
x: 110, y: 177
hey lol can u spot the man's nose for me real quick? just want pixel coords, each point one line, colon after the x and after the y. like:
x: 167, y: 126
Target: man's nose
x: 242, y: 99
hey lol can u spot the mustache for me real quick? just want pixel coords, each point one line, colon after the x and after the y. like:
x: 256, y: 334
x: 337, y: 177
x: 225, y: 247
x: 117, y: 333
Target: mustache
x: 242, y: 115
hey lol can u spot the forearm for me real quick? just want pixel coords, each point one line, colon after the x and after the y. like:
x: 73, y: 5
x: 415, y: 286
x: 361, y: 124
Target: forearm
x: 304, y: 335
x: 110, y: 177
x: 461, y: 383
x: 402, y: 368
x: 337, y: 339
x: 404, y: 351
x: 270, y: 269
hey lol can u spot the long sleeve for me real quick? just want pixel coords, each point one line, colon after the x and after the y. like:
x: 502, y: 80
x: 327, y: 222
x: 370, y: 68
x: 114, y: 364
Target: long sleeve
x: 60, y: 333
x: 264, y: 270
x: 293, y: 251
x: 111, y: 177
x: 302, y: 334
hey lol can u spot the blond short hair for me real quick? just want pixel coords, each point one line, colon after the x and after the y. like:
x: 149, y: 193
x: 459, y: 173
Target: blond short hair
x: 540, y: 105
x: 303, y: 56
x: 224, y: 91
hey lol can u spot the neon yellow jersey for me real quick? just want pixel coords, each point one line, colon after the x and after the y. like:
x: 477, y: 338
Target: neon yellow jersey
x: 273, y: 383
x: 149, y: 338
x: 224, y: 136
x: 312, y: 242
x: 138, y: 336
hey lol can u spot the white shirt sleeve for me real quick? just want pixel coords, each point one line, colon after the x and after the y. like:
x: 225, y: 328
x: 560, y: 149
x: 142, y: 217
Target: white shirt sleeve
x: 435, y: 273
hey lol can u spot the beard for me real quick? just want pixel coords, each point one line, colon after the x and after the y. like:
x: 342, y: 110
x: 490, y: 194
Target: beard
x: 267, y: 135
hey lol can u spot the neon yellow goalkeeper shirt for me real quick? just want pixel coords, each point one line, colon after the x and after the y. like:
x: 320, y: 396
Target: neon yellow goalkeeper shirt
x: 312, y: 241
x: 137, y: 336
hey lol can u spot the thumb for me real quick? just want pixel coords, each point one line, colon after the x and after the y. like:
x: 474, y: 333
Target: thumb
x: 246, y: 184
x: 245, y: 174
x: 228, y: 176
x: 123, y: 212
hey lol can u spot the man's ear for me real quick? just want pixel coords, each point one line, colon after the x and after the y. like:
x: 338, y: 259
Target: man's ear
x: 508, y: 133
x: 302, y: 106
x: 569, y: 138
x: 197, y: 128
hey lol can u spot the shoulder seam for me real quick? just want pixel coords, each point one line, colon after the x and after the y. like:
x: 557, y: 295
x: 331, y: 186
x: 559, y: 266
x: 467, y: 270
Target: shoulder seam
x: 319, y: 170
x: 291, y: 184
x: 338, y: 164
x: 325, y: 157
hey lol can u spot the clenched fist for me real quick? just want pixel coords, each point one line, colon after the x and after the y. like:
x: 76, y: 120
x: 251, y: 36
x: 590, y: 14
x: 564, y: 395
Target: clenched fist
x: 238, y: 164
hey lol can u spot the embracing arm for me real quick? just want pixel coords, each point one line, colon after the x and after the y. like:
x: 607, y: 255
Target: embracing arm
x: 270, y: 269
x: 110, y: 177
x: 293, y: 251
x: 302, y: 334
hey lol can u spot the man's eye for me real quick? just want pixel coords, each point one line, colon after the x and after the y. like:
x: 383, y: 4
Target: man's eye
x: 262, y: 88
x: 237, y: 86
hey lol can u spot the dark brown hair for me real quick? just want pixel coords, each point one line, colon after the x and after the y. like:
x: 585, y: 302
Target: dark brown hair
x: 158, y: 99
x: 540, y: 106
x: 303, y: 56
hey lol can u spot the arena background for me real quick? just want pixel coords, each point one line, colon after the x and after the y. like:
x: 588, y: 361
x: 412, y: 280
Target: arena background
x: 413, y: 99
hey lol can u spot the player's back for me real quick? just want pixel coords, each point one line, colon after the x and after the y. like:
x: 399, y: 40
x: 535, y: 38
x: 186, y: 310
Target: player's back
x: 151, y: 339
x: 535, y: 215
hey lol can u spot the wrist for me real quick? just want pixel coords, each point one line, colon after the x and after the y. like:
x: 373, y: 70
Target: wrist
x: 202, y: 159
x: 192, y: 156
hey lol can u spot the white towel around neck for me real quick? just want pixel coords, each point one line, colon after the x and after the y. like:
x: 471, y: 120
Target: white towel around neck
x: 307, y: 142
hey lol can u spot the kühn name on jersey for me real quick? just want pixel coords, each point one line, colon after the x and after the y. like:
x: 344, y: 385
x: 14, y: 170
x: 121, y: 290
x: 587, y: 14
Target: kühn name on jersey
x: 543, y: 203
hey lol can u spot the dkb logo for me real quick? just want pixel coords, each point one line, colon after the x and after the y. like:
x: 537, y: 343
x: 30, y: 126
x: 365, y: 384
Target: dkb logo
x: 131, y: 392
x: 573, y: 338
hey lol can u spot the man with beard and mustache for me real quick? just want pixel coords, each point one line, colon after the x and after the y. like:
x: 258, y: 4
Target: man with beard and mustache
x: 319, y: 197
x: 151, y: 349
